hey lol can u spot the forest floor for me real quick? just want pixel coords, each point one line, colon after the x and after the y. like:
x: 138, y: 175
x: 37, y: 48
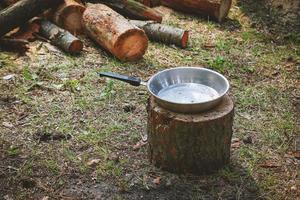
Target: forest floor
x: 65, y: 133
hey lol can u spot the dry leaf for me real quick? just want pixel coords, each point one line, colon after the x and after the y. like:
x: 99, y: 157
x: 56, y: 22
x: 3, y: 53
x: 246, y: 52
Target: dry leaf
x: 270, y: 164
x: 209, y: 45
x: 235, y: 143
x: 294, y: 188
x: 296, y: 154
x: 139, y: 145
x: 156, y: 181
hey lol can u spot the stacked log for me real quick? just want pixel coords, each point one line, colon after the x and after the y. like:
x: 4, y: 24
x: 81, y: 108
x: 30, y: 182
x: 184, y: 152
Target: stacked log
x: 69, y: 16
x: 122, y: 38
x: 132, y: 9
x: 218, y: 9
x: 115, y: 33
x: 22, y: 11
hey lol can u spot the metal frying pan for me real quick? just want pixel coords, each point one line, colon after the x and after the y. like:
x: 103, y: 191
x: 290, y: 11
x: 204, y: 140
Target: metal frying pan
x: 182, y: 89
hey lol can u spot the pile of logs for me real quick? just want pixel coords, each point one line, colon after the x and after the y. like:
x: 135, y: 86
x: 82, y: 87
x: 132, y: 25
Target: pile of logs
x: 61, y: 21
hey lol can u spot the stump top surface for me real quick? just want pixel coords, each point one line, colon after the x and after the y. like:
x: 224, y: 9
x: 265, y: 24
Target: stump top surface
x: 225, y: 107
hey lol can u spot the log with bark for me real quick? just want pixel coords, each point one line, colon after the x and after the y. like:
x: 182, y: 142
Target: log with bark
x: 163, y: 33
x: 69, y: 16
x: 60, y: 37
x: 21, y: 12
x: 218, y: 9
x: 132, y: 9
x: 190, y: 143
x: 114, y: 33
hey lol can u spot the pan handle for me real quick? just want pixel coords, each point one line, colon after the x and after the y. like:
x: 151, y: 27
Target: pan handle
x: 132, y: 80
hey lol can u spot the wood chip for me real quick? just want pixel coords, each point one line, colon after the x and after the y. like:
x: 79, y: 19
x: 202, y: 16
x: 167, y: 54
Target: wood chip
x: 8, y: 77
x: 7, y: 125
x: 93, y: 162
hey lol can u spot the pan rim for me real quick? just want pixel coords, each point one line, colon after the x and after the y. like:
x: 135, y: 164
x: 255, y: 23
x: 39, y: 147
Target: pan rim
x: 189, y: 67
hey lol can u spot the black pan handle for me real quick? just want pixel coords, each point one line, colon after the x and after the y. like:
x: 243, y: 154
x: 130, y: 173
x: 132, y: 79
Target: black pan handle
x: 132, y: 80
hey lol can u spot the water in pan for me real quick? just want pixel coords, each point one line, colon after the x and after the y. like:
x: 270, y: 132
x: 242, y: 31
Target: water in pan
x: 188, y: 93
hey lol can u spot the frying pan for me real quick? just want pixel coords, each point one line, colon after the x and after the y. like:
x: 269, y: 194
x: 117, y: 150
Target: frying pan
x: 182, y: 89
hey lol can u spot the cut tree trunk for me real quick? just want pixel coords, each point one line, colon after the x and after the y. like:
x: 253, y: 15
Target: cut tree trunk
x: 60, y: 37
x: 132, y: 9
x: 218, y: 9
x: 115, y: 33
x: 69, y: 16
x: 21, y: 12
x: 163, y: 33
x: 190, y: 143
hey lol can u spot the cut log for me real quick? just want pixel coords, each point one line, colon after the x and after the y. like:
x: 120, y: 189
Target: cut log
x: 115, y: 33
x: 21, y: 12
x: 190, y: 143
x: 132, y: 9
x: 69, y: 16
x: 163, y: 33
x: 60, y: 37
x: 218, y: 9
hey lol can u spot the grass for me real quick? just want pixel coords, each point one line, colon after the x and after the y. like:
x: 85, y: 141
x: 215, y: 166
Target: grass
x: 59, y: 93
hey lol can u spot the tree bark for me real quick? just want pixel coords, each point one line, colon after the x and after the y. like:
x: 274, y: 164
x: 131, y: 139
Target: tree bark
x: 218, y: 9
x: 132, y: 9
x: 115, y: 33
x: 69, y: 16
x: 190, y: 143
x: 163, y: 33
x: 60, y: 37
x: 21, y: 12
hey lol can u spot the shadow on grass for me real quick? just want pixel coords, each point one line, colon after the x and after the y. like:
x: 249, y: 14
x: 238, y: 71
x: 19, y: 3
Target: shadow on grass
x: 279, y: 18
x: 232, y: 182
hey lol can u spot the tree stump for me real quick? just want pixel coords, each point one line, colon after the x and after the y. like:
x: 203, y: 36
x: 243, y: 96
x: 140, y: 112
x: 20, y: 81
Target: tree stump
x: 190, y: 143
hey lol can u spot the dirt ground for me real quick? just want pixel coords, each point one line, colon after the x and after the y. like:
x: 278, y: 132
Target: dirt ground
x: 65, y: 133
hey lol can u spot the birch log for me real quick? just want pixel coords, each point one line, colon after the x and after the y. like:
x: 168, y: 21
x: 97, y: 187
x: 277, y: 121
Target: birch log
x: 60, y: 37
x: 163, y: 33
